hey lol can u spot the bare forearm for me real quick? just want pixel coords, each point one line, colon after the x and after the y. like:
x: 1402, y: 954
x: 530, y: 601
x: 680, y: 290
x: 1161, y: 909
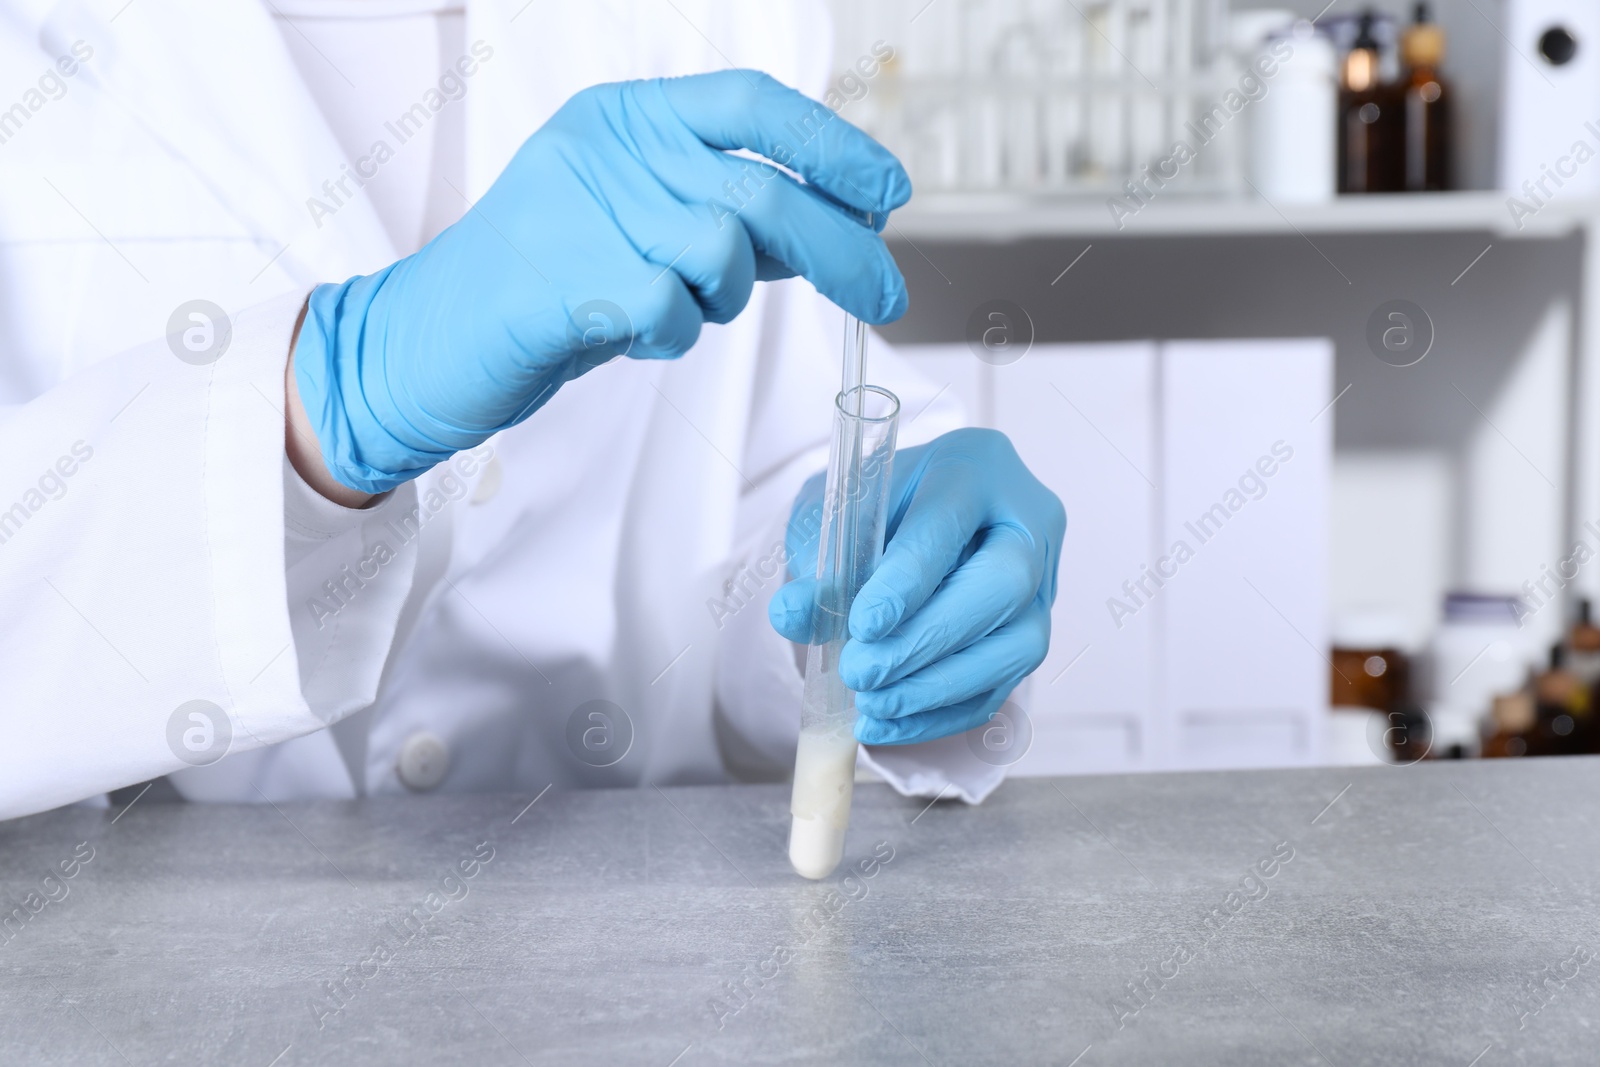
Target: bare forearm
x: 300, y: 440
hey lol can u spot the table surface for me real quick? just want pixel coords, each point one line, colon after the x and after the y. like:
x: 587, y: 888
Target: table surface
x: 1428, y: 914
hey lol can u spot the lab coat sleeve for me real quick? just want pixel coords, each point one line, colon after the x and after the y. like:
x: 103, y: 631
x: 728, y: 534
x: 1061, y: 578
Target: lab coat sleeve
x: 144, y: 602
x: 349, y: 572
x: 759, y: 673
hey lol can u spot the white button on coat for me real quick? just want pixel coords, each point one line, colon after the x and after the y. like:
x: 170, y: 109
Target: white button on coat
x: 424, y: 759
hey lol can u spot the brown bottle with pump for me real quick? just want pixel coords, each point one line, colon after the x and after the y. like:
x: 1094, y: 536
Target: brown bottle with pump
x: 1371, y: 120
x: 1429, y: 136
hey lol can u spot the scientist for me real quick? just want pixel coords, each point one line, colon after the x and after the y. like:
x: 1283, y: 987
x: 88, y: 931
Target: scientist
x: 420, y: 529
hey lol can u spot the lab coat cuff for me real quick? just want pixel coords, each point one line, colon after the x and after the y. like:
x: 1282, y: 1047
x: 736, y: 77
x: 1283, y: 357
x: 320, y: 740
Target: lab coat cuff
x: 313, y: 516
x: 244, y: 535
x: 289, y: 611
x: 941, y: 769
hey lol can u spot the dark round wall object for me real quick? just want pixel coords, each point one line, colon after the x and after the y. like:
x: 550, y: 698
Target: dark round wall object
x: 1558, y: 46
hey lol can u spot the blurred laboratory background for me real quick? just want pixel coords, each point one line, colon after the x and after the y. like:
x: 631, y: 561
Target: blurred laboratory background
x: 1293, y: 306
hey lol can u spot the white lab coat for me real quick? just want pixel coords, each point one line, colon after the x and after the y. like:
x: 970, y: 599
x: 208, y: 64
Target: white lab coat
x: 181, y: 561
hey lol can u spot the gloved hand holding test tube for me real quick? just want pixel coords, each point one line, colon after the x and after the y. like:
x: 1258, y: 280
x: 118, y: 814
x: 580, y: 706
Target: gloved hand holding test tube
x: 855, y: 510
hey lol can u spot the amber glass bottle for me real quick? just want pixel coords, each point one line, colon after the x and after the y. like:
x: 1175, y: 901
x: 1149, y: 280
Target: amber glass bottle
x: 1583, y: 645
x: 1512, y: 725
x: 1376, y: 678
x: 1371, y: 120
x: 1564, y: 718
x: 1429, y: 136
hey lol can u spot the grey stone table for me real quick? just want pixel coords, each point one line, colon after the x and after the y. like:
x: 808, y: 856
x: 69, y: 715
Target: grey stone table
x: 1438, y: 914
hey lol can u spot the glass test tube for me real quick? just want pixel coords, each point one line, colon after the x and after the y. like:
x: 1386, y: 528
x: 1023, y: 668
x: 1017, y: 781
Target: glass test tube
x: 854, y: 512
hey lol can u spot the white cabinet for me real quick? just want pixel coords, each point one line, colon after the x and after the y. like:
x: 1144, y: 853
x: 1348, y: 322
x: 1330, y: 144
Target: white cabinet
x: 1214, y: 660
x: 1245, y: 477
x: 1083, y: 418
x: 1550, y: 91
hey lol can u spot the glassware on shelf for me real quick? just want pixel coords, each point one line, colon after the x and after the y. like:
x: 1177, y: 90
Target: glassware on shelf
x: 1038, y: 97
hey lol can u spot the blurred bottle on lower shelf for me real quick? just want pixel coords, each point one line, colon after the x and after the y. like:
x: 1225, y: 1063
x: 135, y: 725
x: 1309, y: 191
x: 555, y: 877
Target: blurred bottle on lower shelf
x: 1479, y: 653
x: 1370, y: 693
x: 1564, y: 723
x: 1583, y: 646
x: 1511, y: 725
x: 1554, y: 715
x: 1373, y: 676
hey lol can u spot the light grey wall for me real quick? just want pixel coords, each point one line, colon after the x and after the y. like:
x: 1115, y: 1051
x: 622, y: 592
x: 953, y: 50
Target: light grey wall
x: 1273, y: 287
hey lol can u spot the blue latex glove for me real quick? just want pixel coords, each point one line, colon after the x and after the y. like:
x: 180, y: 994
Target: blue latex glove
x: 958, y: 612
x: 619, y: 227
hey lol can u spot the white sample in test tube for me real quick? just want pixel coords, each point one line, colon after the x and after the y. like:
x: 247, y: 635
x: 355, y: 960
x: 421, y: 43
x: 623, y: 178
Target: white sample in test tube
x: 854, y: 514
x: 824, y: 778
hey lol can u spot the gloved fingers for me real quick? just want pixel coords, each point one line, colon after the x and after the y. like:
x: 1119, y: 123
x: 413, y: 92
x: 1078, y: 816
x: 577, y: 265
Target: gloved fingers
x: 878, y: 219
x: 987, y: 591
x: 846, y: 261
x: 791, y: 610
x: 931, y: 725
x: 948, y: 505
x: 734, y: 109
x: 1004, y: 657
x: 716, y: 260
x: 661, y: 318
x: 772, y: 270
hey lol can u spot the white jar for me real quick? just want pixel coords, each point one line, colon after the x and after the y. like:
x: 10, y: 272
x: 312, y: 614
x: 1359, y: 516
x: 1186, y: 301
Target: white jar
x: 1293, y: 129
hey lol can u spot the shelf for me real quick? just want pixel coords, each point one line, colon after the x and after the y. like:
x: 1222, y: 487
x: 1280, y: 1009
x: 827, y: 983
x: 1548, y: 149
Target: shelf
x: 1011, y: 217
